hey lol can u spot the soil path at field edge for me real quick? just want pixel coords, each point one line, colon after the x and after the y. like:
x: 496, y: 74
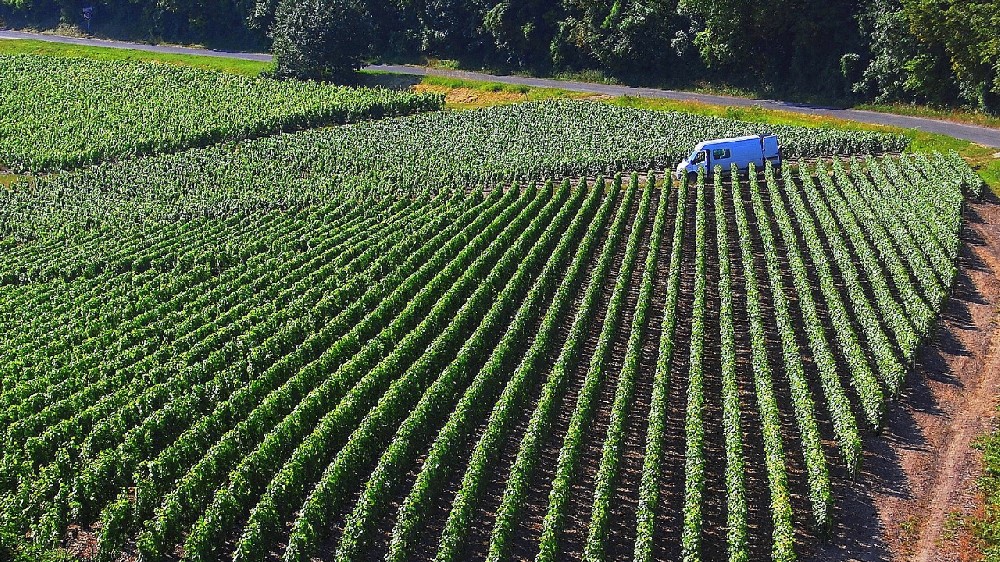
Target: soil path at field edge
x: 918, y: 482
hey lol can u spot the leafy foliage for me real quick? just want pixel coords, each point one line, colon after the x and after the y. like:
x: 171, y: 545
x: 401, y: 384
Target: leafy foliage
x: 338, y: 342
x: 320, y: 39
x: 60, y: 113
x: 482, y: 148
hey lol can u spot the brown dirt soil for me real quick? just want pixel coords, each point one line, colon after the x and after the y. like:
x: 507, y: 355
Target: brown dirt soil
x: 470, y: 96
x: 467, y: 98
x: 918, y: 482
x: 6, y: 178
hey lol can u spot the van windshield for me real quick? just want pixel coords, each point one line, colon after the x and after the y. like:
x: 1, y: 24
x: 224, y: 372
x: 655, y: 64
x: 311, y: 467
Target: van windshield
x: 697, y: 157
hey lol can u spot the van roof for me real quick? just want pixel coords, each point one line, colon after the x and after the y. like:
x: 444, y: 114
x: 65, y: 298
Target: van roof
x: 703, y: 144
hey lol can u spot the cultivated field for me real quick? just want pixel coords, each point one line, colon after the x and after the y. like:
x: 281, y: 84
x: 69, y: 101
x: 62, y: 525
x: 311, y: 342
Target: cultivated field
x: 500, y: 334
x: 59, y: 113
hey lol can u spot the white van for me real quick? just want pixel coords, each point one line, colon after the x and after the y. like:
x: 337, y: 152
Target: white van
x: 739, y: 151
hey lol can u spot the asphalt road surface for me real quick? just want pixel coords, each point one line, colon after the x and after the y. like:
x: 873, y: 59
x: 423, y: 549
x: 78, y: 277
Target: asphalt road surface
x: 982, y: 135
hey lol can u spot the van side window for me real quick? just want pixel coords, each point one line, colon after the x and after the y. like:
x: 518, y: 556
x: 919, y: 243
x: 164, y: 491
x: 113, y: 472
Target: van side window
x: 721, y: 154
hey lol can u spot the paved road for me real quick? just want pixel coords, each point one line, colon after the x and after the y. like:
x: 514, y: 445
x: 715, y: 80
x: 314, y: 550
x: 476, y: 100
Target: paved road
x: 86, y: 41
x: 983, y: 135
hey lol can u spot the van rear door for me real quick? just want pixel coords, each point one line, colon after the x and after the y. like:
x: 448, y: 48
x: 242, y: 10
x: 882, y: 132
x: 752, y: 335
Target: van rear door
x: 770, y: 146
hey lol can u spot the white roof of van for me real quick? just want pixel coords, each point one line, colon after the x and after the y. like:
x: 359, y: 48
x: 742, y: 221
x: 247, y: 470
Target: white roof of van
x: 703, y: 144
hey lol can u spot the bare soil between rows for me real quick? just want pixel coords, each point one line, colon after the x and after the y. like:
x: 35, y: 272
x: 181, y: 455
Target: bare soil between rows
x: 918, y: 480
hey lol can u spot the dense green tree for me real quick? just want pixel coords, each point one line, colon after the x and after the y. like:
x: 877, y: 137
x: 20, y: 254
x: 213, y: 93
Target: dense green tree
x: 942, y: 52
x: 452, y: 28
x: 619, y: 36
x: 320, y: 39
x: 962, y: 38
x: 212, y: 22
x: 890, y: 45
x: 521, y: 31
x: 722, y: 31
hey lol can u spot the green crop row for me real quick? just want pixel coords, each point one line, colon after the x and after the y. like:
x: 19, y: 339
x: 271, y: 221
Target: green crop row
x: 487, y: 147
x: 62, y: 113
x: 448, y: 373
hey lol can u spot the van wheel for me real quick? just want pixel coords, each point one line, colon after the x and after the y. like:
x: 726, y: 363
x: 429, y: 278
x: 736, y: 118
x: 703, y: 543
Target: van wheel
x: 692, y: 178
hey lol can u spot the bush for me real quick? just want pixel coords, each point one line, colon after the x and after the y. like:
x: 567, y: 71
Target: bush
x: 320, y: 39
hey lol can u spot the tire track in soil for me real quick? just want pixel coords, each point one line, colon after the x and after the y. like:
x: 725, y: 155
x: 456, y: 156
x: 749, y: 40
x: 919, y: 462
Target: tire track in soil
x: 622, y: 528
x: 525, y: 539
x: 574, y: 536
x: 669, y: 515
x: 952, y: 479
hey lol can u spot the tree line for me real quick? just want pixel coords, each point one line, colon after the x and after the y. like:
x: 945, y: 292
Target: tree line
x: 939, y: 52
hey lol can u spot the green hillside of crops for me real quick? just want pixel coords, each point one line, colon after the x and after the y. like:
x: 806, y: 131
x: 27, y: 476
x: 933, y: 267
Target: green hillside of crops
x: 59, y: 113
x: 496, y: 334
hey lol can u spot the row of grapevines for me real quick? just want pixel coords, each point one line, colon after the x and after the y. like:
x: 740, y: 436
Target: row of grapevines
x: 422, y: 421
x: 694, y: 424
x: 783, y: 547
x: 844, y: 228
x: 649, y: 487
x: 817, y: 472
x: 611, y: 453
x: 67, y: 112
x: 732, y: 427
x: 257, y: 469
x: 890, y: 370
x: 543, y: 417
x: 567, y: 465
x: 512, y: 400
x: 864, y: 381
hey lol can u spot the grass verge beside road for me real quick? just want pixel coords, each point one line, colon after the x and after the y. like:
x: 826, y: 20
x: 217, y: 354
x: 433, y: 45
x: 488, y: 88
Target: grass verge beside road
x: 470, y: 94
x: 33, y: 47
x: 956, y: 115
x: 7, y: 179
x: 987, y: 525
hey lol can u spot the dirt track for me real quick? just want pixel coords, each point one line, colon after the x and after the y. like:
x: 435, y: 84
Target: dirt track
x: 918, y: 484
